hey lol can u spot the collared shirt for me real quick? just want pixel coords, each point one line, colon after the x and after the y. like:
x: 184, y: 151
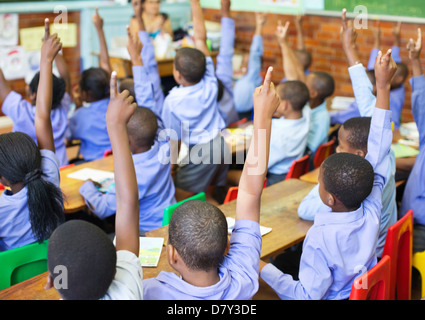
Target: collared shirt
x: 244, y: 87
x: 15, y: 225
x: 288, y: 141
x: 156, y: 188
x: 341, y: 245
x: 88, y: 124
x: 238, y: 272
x: 319, y: 125
x: 414, y: 193
x: 22, y: 114
x: 224, y: 70
x: 192, y: 112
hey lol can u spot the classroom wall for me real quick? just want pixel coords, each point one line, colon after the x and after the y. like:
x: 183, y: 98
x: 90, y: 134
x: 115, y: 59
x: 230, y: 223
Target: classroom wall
x: 322, y: 40
x: 71, y: 55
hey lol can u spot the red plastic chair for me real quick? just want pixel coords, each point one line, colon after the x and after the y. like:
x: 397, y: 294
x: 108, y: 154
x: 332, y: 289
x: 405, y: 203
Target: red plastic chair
x: 323, y: 151
x: 107, y: 153
x: 67, y: 166
x: 373, y: 284
x: 298, y: 168
x: 232, y: 193
x: 398, y: 246
x: 237, y: 123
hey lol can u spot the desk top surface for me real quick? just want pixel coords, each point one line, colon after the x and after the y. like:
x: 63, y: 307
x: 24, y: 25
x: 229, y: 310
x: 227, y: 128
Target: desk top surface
x: 279, y: 205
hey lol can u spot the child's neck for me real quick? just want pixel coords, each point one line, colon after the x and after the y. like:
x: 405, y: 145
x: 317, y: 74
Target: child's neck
x: 201, y: 278
x: 339, y: 207
x: 315, y: 102
x: 293, y: 115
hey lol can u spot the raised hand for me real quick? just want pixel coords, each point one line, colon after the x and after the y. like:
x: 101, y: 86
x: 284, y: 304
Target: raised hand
x: 134, y: 47
x: 414, y: 48
x: 265, y: 97
x: 348, y: 38
x: 282, y: 32
x: 97, y: 20
x: 51, y: 44
x: 385, y: 67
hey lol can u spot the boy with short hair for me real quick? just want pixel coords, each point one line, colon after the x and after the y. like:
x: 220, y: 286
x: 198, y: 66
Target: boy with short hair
x: 289, y: 130
x: 95, y: 268
x: 191, y: 115
x: 198, y: 230
x: 343, y: 240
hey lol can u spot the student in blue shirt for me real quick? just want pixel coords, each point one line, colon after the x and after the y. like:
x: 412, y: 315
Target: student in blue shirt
x: 414, y: 192
x: 32, y: 207
x: 224, y: 69
x: 191, y: 117
x: 101, y: 270
x: 320, y: 85
x: 341, y: 243
x: 88, y: 124
x: 289, y: 130
x: 150, y: 157
x: 22, y: 112
x: 209, y: 267
x: 245, y: 86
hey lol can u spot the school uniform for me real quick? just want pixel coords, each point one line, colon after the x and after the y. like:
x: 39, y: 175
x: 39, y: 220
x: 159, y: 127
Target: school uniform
x: 127, y: 283
x: 340, y: 245
x: 244, y: 87
x: 22, y: 113
x: 156, y: 188
x: 88, y: 124
x: 362, y: 88
x: 15, y: 225
x: 414, y: 192
x: 190, y: 114
x: 320, y: 122
x: 288, y: 141
x: 224, y: 71
x: 238, y: 272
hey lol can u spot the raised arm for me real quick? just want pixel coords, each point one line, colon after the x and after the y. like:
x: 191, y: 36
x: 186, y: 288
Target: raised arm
x: 292, y: 66
x: 348, y: 39
x: 63, y: 71
x: 414, y: 48
x: 254, y: 171
x: 120, y: 110
x: 200, y: 32
x: 104, y: 54
x: 42, y: 122
x: 298, y: 20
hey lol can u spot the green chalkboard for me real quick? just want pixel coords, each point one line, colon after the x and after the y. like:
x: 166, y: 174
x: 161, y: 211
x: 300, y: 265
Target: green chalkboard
x: 405, y: 8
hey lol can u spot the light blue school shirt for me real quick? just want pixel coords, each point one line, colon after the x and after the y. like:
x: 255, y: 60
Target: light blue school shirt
x: 238, y: 272
x: 414, y: 192
x: 320, y: 123
x: 15, y: 225
x: 156, y: 188
x: 244, y: 87
x: 288, y: 141
x: 340, y: 245
x: 22, y: 113
x: 88, y: 124
x: 398, y: 95
x: 224, y: 71
x: 191, y: 113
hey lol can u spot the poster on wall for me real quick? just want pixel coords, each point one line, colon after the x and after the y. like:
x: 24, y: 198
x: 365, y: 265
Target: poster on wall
x: 9, y: 29
x: 283, y: 3
x: 13, y: 62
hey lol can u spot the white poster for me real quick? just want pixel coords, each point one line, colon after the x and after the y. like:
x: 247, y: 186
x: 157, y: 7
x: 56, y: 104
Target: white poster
x: 9, y: 29
x: 13, y: 62
x: 283, y: 3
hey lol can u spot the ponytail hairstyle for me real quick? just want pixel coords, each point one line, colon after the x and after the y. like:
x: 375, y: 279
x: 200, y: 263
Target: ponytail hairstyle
x: 20, y: 161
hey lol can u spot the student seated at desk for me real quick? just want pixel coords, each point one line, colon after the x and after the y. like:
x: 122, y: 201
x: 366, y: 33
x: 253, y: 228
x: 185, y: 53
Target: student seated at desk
x: 22, y: 112
x: 320, y: 85
x: 33, y: 207
x: 88, y: 124
x: 191, y: 116
x: 414, y: 192
x: 198, y: 240
x: 289, y: 131
x: 344, y: 238
x: 100, y: 270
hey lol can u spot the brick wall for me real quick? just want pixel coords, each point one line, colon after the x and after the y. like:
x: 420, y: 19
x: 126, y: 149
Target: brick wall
x: 71, y: 55
x: 322, y: 40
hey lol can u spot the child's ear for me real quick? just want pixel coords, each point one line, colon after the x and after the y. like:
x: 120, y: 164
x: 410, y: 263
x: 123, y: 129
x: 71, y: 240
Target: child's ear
x: 360, y: 153
x: 330, y: 200
x: 172, y: 255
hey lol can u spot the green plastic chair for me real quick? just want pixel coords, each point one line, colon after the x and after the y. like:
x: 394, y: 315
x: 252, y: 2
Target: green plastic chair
x: 20, y: 264
x: 168, y: 211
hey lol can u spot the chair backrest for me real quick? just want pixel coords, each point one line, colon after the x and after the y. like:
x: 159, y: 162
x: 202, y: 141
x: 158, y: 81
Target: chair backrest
x: 22, y: 263
x: 232, y: 193
x: 168, y: 211
x: 373, y: 284
x: 322, y: 152
x: 298, y: 168
x: 67, y: 166
x: 107, y: 153
x: 398, y: 246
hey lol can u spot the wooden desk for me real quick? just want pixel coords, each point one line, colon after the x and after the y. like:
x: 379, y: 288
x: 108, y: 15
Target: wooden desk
x: 312, y: 176
x: 73, y: 201
x: 279, y: 205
